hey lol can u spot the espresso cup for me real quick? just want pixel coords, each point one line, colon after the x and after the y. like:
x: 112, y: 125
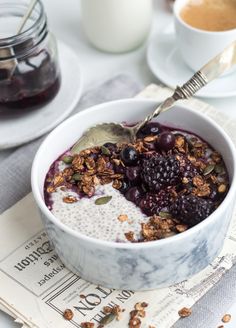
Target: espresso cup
x: 197, y: 46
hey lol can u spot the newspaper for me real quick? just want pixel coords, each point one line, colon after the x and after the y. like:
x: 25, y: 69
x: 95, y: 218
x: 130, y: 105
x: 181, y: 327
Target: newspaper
x: 36, y: 287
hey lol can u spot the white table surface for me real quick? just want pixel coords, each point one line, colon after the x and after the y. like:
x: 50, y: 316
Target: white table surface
x: 64, y: 20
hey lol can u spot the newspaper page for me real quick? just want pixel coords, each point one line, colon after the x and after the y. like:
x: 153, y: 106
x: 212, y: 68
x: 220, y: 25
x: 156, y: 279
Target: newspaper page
x: 36, y: 288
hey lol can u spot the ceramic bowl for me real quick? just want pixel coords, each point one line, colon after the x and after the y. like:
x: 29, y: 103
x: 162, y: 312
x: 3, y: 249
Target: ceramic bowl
x: 138, y: 266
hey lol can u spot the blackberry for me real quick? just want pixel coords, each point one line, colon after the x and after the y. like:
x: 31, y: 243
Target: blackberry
x: 158, y: 172
x: 191, y: 209
x: 153, y: 203
x: 188, y: 170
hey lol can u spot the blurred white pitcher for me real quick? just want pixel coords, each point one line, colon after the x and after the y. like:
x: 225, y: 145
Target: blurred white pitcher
x: 116, y: 25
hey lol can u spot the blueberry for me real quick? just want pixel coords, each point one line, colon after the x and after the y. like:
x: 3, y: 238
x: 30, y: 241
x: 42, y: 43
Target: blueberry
x: 133, y: 194
x: 108, y: 144
x: 133, y: 173
x: 129, y: 155
x: 111, y: 146
x: 150, y: 129
x: 125, y: 186
x: 166, y: 141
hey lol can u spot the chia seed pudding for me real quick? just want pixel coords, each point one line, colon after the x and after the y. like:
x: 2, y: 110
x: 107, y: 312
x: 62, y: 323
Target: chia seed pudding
x: 164, y: 183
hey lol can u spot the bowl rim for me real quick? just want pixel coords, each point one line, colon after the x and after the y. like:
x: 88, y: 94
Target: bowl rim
x: 112, y: 244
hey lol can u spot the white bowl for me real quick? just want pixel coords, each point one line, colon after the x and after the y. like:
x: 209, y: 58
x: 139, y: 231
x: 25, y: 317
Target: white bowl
x: 138, y: 266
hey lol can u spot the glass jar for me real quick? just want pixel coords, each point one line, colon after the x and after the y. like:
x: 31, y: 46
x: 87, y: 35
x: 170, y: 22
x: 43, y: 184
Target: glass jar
x: 29, y: 70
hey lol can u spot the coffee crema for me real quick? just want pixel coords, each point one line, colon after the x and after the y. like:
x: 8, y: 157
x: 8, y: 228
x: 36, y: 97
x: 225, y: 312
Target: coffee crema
x: 210, y: 15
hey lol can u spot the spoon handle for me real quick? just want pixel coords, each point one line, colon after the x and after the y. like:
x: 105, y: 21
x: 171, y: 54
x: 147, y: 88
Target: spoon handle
x: 27, y: 15
x: 213, y: 69
x: 188, y: 89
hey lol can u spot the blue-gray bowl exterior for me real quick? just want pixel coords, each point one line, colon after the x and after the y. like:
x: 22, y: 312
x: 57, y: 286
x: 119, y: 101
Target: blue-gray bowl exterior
x: 141, y: 268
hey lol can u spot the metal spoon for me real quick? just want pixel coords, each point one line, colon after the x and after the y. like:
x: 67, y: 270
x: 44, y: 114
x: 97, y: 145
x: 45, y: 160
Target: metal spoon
x: 27, y: 15
x: 11, y: 65
x: 116, y: 132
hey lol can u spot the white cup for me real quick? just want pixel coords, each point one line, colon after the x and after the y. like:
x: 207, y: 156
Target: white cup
x: 116, y: 25
x: 197, y: 46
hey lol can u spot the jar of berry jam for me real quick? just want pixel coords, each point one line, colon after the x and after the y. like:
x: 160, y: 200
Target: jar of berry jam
x: 29, y: 70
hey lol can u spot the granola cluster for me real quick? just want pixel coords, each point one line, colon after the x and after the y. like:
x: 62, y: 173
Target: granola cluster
x: 86, y: 170
x: 174, y: 177
x: 137, y: 314
x: 111, y: 313
x: 158, y: 227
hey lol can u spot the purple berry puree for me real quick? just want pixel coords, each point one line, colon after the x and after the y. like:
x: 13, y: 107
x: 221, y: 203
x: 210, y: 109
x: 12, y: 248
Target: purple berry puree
x: 33, y: 83
x: 172, y: 177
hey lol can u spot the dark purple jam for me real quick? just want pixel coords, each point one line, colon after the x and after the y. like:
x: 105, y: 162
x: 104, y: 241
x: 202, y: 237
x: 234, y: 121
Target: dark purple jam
x: 173, y: 176
x: 28, y: 84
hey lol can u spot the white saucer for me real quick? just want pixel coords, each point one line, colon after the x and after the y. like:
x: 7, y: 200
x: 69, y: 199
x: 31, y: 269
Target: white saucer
x: 167, y: 65
x: 24, y: 128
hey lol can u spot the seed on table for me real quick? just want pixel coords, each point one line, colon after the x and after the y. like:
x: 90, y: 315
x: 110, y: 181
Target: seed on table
x: 185, y: 312
x: 107, y: 319
x: 68, y: 314
x: 226, y: 318
x: 87, y: 324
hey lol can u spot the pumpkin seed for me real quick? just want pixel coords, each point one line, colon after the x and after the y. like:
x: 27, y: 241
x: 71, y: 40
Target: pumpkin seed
x: 165, y: 215
x: 77, y: 177
x: 105, y: 150
x: 198, y: 145
x: 103, y: 200
x: 67, y: 159
x: 107, y: 319
x: 208, y: 169
x: 191, y: 142
x: 219, y: 168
